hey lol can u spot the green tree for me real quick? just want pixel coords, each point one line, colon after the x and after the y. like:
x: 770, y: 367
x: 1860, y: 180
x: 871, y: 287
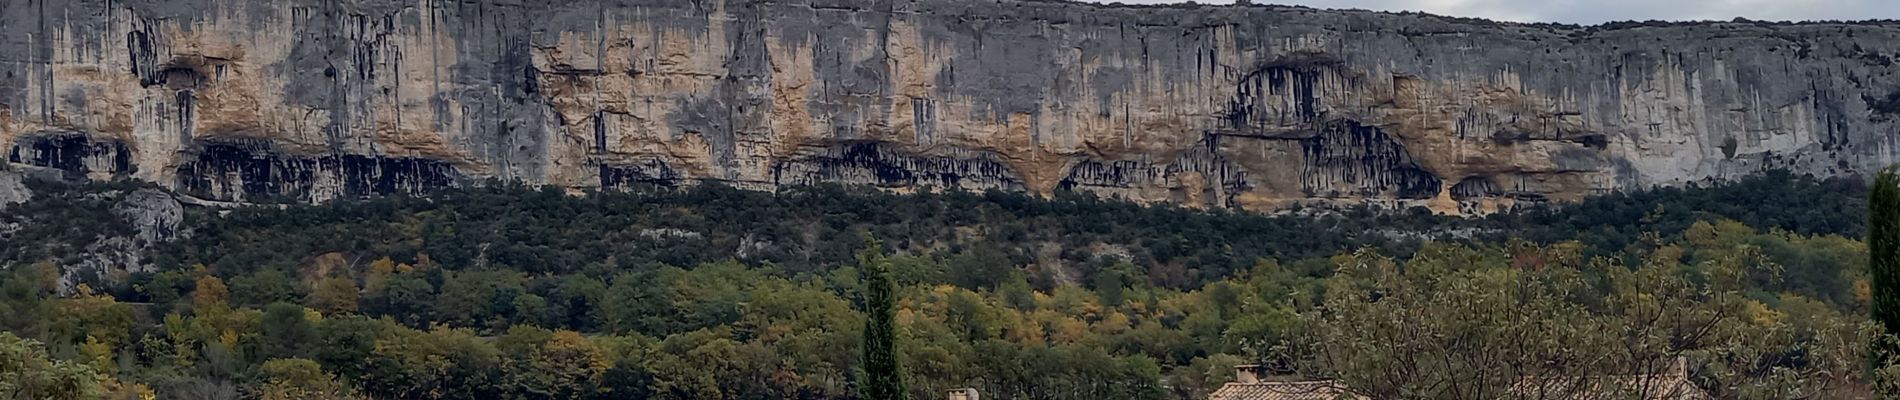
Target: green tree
x: 1883, y: 254
x: 1204, y: 375
x: 534, y: 310
x: 1111, y: 283
x: 477, y: 298
x: 577, y: 300
x: 344, y: 343
x: 23, y: 305
x: 334, y: 295
x: 404, y: 296
x: 442, y: 363
x: 89, y: 316
x: 297, y: 379
x: 981, y: 267
x: 286, y: 332
x: 556, y: 365
x: 264, y: 287
x: 884, y: 377
x: 167, y: 287
x: 628, y: 379
x: 1462, y: 323
x: 27, y: 373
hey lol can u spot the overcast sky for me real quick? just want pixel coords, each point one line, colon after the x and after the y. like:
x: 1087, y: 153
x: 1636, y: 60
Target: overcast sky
x: 1597, y: 11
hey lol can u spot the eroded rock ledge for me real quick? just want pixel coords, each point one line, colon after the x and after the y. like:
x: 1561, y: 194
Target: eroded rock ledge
x: 1258, y: 107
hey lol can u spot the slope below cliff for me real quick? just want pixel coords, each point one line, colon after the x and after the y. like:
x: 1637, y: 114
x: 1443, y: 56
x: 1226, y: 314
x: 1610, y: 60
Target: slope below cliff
x: 1259, y: 107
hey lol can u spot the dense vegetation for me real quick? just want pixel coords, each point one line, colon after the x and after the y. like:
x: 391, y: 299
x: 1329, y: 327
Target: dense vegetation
x: 714, y: 293
x: 1883, y: 240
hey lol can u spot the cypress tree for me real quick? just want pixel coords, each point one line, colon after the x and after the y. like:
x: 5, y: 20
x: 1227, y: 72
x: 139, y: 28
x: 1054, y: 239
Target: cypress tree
x: 1883, y: 251
x: 883, y: 377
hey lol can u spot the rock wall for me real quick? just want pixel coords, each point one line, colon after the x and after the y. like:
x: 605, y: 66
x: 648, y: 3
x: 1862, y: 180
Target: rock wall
x: 1257, y: 107
x: 13, y: 190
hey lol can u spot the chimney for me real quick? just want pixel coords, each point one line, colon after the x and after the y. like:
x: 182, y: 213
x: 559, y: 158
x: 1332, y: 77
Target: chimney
x: 964, y: 394
x: 1247, y: 373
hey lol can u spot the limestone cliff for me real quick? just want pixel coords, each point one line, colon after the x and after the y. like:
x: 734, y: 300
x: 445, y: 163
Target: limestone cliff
x: 1257, y: 107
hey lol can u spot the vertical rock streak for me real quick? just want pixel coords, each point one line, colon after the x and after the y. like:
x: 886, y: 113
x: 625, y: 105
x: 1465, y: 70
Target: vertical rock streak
x: 1259, y: 107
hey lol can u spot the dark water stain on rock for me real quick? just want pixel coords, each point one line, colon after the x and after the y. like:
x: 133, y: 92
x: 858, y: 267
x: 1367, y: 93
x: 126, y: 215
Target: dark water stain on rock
x: 1350, y: 159
x: 877, y: 164
x: 243, y: 169
x: 74, y: 153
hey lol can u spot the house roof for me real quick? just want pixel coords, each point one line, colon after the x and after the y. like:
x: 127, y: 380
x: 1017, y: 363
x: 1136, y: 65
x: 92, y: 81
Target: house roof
x: 1647, y: 387
x: 1302, y: 390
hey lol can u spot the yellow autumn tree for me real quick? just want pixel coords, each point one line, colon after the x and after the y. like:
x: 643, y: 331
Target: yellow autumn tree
x: 211, y: 297
x: 568, y: 365
x: 297, y: 379
x: 334, y: 295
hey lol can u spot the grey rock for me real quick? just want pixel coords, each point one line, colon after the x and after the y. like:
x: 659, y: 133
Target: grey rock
x: 155, y: 217
x: 1260, y: 107
x: 12, y: 189
x: 664, y: 234
x: 154, y: 214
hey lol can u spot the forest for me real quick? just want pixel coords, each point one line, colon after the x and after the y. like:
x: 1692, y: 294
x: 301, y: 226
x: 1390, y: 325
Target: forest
x: 709, y: 292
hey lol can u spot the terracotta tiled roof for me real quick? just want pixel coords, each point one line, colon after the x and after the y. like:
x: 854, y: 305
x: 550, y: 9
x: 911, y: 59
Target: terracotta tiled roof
x: 1650, y: 387
x: 1673, y: 384
x: 1304, y: 390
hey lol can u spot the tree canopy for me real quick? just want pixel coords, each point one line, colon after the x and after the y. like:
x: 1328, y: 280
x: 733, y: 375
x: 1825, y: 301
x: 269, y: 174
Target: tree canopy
x: 708, y: 292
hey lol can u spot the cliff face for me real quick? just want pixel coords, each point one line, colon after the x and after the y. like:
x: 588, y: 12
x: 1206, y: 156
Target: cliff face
x: 1252, y: 107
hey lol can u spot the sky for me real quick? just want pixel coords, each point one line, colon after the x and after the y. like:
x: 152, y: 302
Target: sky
x: 1599, y: 11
